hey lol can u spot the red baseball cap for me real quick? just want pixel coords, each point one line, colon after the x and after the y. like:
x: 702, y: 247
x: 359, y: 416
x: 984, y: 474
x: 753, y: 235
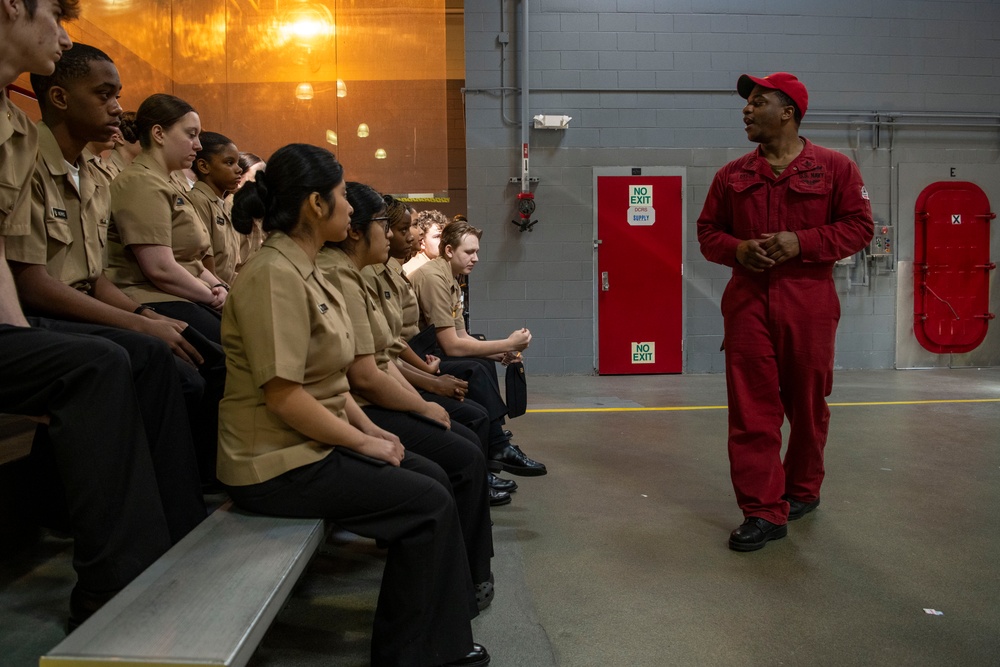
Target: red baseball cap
x: 783, y: 81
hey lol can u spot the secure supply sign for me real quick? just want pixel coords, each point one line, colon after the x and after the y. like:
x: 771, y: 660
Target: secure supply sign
x: 640, y: 206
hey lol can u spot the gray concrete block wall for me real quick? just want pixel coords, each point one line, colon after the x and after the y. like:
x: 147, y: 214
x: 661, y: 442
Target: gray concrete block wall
x: 650, y: 83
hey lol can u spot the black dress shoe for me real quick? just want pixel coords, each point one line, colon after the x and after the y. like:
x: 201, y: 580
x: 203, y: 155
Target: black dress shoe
x: 513, y: 460
x: 497, y: 484
x: 799, y: 508
x: 83, y: 604
x: 755, y: 533
x: 477, y: 657
x: 498, y: 498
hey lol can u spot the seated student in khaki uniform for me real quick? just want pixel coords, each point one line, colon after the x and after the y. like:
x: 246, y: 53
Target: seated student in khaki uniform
x: 294, y: 443
x: 157, y: 243
x: 399, y: 305
x: 80, y: 385
x: 441, y: 303
x: 59, y: 271
x: 388, y: 399
x: 218, y: 170
x: 431, y: 224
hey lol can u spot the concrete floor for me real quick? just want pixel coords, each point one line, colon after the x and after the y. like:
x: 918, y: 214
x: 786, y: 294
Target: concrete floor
x: 618, y: 556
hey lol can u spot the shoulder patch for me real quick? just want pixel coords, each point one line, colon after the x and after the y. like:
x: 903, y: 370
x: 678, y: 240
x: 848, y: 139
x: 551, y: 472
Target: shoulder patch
x: 864, y: 193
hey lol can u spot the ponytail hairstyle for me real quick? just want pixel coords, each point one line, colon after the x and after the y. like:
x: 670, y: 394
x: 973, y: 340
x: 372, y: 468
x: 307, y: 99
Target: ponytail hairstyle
x: 292, y: 174
x: 159, y: 109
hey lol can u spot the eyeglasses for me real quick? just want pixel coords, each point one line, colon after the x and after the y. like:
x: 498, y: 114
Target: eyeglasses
x: 384, y: 219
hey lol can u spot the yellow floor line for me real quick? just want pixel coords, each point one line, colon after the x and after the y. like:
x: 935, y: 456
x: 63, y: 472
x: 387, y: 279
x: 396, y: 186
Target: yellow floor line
x: 686, y: 408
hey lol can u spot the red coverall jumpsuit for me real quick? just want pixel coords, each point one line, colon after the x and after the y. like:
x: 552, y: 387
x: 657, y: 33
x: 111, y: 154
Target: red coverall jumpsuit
x: 781, y: 324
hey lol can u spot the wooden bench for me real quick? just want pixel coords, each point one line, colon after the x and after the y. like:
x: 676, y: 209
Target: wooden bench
x: 16, y: 433
x: 207, y: 601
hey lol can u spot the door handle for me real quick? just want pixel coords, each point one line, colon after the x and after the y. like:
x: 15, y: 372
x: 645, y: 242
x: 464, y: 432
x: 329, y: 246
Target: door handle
x: 604, y: 281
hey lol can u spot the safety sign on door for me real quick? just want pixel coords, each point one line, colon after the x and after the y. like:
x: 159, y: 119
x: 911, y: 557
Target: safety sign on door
x: 640, y: 206
x: 644, y: 353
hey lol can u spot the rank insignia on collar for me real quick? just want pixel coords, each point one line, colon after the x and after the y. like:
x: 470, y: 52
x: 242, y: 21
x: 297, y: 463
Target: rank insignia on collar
x: 180, y: 201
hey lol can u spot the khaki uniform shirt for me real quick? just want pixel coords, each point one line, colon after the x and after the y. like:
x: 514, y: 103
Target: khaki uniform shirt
x: 69, y: 227
x: 407, y: 299
x: 438, y: 295
x: 371, y: 331
x: 215, y: 214
x: 147, y: 209
x: 18, y: 146
x: 101, y: 167
x: 416, y: 263
x: 398, y: 303
x: 115, y: 164
x: 249, y: 243
x: 180, y: 180
x: 387, y: 302
x: 282, y: 320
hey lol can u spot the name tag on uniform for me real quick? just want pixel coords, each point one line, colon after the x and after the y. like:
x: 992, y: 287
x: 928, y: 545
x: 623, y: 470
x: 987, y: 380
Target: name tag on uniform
x: 179, y: 202
x: 388, y: 295
x: 323, y: 308
x: 220, y: 221
x: 59, y: 213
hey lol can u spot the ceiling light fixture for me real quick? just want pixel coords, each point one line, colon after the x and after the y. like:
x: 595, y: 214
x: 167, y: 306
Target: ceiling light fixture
x: 304, y: 91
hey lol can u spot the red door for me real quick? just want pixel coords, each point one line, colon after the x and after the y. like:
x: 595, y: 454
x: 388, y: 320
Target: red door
x: 639, y: 273
x: 951, y: 267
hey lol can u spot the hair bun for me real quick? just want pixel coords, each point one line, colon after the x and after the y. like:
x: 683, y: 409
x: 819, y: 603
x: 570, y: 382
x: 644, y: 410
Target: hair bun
x: 260, y: 180
x: 129, y: 128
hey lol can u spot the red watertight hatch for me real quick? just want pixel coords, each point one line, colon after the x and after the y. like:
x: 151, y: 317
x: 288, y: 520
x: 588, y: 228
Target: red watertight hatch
x: 951, y: 267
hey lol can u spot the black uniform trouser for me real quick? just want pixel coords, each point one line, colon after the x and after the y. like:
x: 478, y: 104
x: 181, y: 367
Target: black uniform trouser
x: 427, y: 597
x: 484, y: 389
x: 204, y: 412
x: 84, y: 385
x: 156, y: 380
x: 464, y: 463
x: 468, y: 413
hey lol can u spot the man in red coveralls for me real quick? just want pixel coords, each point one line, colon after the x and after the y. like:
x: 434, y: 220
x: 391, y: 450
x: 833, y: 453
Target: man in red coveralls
x: 780, y: 216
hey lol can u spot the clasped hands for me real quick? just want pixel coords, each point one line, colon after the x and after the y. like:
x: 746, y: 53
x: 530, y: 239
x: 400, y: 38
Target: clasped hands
x: 768, y: 251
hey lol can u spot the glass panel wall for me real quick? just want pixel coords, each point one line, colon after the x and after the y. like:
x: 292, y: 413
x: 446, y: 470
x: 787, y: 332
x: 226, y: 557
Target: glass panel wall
x: 366, y: 78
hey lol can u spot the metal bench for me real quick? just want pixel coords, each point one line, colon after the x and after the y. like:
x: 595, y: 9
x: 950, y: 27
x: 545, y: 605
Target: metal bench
x: 207, y: 601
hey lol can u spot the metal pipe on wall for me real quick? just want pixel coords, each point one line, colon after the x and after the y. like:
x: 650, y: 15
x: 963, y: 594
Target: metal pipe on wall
x: 525, y: 95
